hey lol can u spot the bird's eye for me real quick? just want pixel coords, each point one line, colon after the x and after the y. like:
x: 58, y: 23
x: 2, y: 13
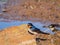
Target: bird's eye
x: 29, y: 26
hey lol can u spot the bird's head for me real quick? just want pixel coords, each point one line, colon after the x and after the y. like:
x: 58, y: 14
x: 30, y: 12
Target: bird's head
x: 51, y: 27
x: 31, y: 26
x: 31, y: 29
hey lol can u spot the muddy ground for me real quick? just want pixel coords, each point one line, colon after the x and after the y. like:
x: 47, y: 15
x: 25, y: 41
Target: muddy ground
x: 34, y: 10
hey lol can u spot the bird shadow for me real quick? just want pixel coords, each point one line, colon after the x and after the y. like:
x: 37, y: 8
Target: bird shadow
x: 38, y: 40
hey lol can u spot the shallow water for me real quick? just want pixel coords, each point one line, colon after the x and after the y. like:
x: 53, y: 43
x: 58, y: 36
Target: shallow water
x: 17, y: 23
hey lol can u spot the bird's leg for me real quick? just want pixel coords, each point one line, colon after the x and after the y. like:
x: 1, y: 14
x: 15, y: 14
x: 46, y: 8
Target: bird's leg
x: 37, y: 38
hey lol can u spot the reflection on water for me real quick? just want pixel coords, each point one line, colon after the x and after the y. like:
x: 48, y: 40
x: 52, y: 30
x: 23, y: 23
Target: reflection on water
x: 17, y: 23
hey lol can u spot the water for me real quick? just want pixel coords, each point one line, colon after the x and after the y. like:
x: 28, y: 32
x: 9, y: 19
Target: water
x: 3, y: 0
x: 17, y: 23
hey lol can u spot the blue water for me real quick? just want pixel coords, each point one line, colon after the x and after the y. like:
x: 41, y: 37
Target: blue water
x: 17, y: 23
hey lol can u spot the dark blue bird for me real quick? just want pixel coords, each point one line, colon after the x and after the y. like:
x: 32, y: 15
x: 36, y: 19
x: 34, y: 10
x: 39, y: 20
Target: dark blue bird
x: 34, y: 30
x: 53, y: 27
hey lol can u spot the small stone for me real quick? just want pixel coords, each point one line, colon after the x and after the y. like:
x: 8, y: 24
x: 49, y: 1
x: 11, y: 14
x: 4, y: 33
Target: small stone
x: 4, y: 10
x: 57, y: 17
x: 32, y: 6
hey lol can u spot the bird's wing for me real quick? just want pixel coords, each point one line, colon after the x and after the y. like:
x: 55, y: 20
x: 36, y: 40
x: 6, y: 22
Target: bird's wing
x: 46, y: 30
x: 58, y: 28
x: 32, y: 31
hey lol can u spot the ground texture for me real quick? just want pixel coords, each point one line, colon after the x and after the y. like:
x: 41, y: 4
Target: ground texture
x: 18, y: 35
x: 35, y: 10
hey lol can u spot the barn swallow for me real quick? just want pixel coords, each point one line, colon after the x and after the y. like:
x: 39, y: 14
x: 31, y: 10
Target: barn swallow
x: 34, y: 30
x: 53, y: 27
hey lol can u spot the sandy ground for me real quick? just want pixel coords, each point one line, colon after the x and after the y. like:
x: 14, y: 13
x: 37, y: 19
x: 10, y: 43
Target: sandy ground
x: 35, y: 10
x: 18, y: 35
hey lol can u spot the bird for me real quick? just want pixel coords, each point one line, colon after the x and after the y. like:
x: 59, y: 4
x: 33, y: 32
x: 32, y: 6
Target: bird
x: 34, y: 30
x: 53, y: 27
